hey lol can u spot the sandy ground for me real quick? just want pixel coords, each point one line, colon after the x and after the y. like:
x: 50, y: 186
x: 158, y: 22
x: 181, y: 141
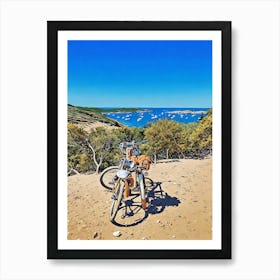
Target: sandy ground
x: 180, y: 205
x: 89, y: 126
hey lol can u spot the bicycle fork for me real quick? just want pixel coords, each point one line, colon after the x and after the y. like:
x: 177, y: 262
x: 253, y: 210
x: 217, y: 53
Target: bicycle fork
x: 142, y: 191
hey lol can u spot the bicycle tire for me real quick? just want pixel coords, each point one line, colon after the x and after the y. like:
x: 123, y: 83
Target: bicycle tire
x: 148, y: 182
x: 116, y: 202
x: 102, y: 179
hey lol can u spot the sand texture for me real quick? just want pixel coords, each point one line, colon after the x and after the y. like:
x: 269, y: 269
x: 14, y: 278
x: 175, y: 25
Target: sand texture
x: 180, y: 205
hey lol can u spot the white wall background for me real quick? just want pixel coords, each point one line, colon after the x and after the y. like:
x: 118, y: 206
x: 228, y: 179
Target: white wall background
x: 256, y: 142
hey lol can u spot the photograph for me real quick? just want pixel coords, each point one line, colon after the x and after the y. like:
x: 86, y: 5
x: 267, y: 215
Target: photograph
x: 142, y: 111
x: 139, y: 140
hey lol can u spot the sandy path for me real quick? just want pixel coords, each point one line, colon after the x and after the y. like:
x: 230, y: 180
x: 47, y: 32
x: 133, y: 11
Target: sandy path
x: 183, y: 210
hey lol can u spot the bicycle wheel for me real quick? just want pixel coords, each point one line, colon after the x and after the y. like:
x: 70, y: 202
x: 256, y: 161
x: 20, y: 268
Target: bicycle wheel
x: 116, y: 201
x: 107, y: 177
x: 148, y: 182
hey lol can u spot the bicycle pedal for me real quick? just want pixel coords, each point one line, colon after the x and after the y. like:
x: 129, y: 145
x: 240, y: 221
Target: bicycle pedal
x: 114, y: 197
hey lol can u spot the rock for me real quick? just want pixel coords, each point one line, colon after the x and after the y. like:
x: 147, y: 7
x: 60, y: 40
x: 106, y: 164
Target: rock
x: 144, y: 238
x: 158, y: 221
x: 173, y: 236
x: 117, y: 233
x: 95, y: 234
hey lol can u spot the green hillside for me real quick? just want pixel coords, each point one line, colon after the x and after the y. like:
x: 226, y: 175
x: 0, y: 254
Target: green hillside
x: 111, y: 110
x: 85, y: 115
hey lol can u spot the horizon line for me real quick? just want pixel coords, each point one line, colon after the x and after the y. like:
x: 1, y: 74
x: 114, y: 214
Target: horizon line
x: 206, y: 107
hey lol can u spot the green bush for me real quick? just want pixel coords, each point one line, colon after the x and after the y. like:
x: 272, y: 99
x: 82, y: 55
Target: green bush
x: 98, y: 149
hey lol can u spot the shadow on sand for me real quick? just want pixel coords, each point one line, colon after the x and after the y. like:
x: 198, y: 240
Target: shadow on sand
x: 131, y: 212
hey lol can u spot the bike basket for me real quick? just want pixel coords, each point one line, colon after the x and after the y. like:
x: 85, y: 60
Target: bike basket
x: 144, y: 162
x: 123, y: 174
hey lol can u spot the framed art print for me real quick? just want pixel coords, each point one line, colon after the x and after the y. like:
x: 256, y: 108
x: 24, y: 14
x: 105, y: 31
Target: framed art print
x: 139, y: 140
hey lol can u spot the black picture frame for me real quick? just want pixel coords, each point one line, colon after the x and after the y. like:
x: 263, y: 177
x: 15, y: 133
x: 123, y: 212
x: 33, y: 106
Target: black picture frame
x: 52, y: 88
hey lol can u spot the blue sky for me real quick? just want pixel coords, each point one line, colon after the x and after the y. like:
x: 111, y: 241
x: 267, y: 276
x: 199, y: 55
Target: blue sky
x: 140, y: 73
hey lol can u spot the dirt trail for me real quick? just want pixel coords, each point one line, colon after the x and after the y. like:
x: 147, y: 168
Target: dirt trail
x: 180, y: 205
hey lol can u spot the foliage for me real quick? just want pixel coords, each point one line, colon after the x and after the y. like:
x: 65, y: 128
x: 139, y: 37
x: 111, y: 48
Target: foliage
x: 78, y: 158
x: 104, y: 143
x: 85, y: 115
x: 98, y: 149
x: 165, y: 137
x: 126, y: 134
x: 105, y: 110
x: 201, y: 138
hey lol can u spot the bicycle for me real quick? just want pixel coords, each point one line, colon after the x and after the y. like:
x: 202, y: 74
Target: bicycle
x: 108, y: 176
x: 124, y: 184
x: 121, y: 180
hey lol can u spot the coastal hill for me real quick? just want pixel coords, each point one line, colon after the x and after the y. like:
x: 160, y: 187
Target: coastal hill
x: 89, y: 118
x: 92, y: 117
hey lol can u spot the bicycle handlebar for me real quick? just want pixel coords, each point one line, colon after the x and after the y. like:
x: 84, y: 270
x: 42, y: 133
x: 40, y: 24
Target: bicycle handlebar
x: 132, y: 144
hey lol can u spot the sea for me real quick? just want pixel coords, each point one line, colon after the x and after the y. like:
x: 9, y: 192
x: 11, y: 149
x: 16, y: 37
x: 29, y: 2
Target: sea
x: 144, y: 116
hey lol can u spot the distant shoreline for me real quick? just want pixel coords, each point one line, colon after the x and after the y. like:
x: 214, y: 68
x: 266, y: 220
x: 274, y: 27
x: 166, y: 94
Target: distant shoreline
x: 144, y: 116
x: 133, y: 110
x: 126, y: 112
x: 188, y: 112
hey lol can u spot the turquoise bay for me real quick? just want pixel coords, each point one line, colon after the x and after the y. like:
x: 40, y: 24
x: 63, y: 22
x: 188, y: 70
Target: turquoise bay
x: 143, y: 117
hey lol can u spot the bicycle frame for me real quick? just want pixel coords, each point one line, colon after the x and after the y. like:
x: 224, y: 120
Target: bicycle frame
x: 128, y: 169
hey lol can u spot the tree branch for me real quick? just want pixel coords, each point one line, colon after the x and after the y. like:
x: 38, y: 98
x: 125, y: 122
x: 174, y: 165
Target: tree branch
x: 93, y: 152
